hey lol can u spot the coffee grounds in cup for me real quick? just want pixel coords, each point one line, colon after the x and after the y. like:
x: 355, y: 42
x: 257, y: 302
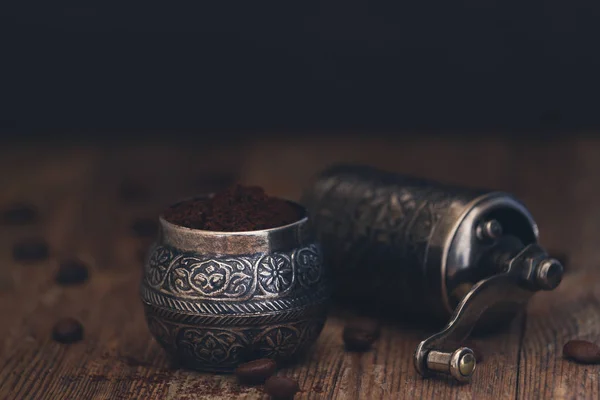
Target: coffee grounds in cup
x: 237, y: 209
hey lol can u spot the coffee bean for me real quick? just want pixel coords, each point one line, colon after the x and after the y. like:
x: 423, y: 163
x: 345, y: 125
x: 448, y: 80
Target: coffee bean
x: 360, y: 333
x: 255, y: 372
x: 364, y: 324
x: 280, y: 387
x: 71, y: 272
x: 67, y: 330
x: 20, y: 214
x: 28, y: 250
x: 357, y: 340
x: 144, y: 227
x: 582, y: 351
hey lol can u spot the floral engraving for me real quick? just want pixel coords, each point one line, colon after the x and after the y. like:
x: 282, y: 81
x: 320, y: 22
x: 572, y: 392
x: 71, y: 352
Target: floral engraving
x: 223, y: 347
x: 275, y: 273
x: 158, y: 265
x: 217, y: 278
x: 309, y: 265
x: 279, y: 342
x: 191, y: 276
x: 209, y: 277
x: 211, y: 347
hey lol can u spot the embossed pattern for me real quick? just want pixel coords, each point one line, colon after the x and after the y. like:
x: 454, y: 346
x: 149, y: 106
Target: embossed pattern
x: 158, y: 265
x: 221, y: 348
x: 375, y: 230
x: 225, y: 278
x: 231, y: 308
x: 309, y: 266
x: 275, y: 273
x: 290, y: 314
x: 215, y: 312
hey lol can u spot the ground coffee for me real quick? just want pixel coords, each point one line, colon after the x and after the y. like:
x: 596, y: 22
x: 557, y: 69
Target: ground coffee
x: 240, y: 208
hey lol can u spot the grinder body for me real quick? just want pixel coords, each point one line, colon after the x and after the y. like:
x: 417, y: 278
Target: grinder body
x: 420, y: 248
x: 408, y: 243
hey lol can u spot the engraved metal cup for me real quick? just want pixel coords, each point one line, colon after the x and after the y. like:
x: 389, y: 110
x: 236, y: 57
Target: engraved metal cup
x: 216, y: 299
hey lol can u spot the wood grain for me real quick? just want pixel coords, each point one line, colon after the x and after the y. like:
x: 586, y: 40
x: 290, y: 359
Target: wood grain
x: 76, y: 188
x: 572, y: 311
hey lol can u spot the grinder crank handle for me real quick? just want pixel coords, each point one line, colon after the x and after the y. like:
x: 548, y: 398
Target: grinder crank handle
x: 524, y: 274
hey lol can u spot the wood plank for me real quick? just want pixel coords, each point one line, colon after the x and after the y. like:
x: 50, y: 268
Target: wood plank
x: 76, y: 188
x: 566, y: 202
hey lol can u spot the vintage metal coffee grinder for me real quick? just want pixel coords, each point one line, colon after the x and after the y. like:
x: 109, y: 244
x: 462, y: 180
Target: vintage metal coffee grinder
x: 419, y: 247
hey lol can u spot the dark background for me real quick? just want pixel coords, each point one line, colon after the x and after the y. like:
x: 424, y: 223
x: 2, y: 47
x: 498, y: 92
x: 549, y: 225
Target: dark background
x: 200, y: 66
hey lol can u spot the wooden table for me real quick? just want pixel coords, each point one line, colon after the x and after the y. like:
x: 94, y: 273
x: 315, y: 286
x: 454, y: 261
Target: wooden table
x: 76, y: 187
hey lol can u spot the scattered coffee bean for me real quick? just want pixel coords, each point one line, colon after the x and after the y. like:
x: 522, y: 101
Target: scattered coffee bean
x: 144, y: 227
x: 29, y: 250
x: 20, y: 214
x: 280, y: 387
x: 582, y: 351
x: 360, y: 333
x: 370, y: 325
x: 357, y: 340
x: 72, y: 272
x: 67, y: 330
x: 255, y: 372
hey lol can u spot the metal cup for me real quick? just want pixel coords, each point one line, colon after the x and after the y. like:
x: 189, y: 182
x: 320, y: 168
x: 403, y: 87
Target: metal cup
x: 216, y: 299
